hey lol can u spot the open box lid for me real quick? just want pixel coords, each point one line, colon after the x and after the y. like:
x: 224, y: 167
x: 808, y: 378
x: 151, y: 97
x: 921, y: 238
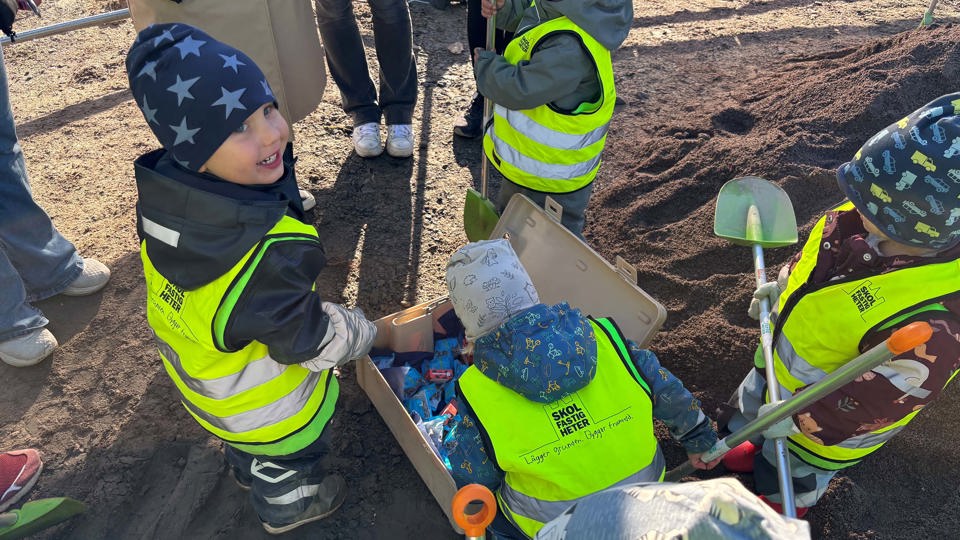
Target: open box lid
x: 565, y: 269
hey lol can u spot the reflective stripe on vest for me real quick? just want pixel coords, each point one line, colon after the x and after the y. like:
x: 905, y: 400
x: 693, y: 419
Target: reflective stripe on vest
x: 822, y: 327
x: 544, y: 148
x: 242, y: 396
x: 553, y: 454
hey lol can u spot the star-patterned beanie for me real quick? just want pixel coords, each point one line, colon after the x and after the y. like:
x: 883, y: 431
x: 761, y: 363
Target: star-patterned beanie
x: 906, y: 178
x: 193, y: 90
x: 488, y: 285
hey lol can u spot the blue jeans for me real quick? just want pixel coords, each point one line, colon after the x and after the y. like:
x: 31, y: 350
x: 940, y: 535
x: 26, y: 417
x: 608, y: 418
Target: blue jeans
x: 36, y: 262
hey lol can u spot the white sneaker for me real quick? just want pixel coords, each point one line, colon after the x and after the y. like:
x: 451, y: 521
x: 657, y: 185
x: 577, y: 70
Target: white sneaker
x: 366, y: 140
x: 307, y: 200
x: 400, y: 140
x: 28, y: 349
x: 93, y: 278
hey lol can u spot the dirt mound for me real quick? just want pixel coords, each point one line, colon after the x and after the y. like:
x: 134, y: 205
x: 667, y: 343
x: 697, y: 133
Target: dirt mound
x: 793, y: 126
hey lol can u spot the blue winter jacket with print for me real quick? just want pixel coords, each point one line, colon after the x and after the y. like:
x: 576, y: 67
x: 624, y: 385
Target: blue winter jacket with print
x: 556, y: 328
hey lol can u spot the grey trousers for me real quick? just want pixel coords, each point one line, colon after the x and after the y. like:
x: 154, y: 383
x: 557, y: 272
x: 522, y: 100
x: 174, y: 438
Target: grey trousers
x: 393, y: 39
x: 574, y: 203
x: 809, y: 482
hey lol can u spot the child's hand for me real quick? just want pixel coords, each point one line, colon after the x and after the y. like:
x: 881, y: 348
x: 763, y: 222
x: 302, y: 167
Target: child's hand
x: 352, y: 336
x: 700, y: 464
x: 487, y: 8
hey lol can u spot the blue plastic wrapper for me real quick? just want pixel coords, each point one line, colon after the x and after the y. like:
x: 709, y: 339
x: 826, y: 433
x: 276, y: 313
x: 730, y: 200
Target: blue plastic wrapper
x: 383, y: 361
x: 449, y: 345
x: 433, y: 430
x: 424, y: 402
x: 405, y: 381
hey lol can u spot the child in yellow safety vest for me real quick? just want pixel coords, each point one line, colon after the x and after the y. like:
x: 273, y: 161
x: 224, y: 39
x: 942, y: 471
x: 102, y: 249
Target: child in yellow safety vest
x: 553, y: 95
x: 883, y: 259
x: 230, y: 266
x: 556, y: 405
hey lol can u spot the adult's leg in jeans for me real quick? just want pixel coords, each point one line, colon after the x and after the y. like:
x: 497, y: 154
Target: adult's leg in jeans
x: 347, y: 61
x: 393, y: 36
x: 36, y: 261
x: 574, y: 204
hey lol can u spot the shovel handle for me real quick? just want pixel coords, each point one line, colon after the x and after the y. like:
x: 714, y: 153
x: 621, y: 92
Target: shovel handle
x: 474, y: 525
x: 905, y: 339
x: 487, y: 104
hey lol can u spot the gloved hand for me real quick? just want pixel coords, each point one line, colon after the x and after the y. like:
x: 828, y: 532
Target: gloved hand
x: 783, y: 428
x: 352, y: 338
x: 771, y: 291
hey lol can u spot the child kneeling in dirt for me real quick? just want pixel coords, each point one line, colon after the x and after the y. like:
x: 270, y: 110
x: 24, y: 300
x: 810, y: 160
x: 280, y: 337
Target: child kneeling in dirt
x: 883, y: 259
x: 553, y: 91
x: 230, y: 267
x: 556, y: 405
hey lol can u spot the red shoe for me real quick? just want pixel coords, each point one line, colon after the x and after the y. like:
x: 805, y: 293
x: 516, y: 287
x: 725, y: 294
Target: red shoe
x: 19, y: 471
x: 801, y: 510
x: 740, y: 459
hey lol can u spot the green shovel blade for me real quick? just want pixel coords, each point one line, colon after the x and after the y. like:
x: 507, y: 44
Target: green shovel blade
x: 38, y: 515
x: 751, y: 210
x: 479, y: 216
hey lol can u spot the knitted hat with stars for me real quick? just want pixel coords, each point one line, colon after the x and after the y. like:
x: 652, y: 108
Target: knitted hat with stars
x: 906, y: 178
x: 193, y: 90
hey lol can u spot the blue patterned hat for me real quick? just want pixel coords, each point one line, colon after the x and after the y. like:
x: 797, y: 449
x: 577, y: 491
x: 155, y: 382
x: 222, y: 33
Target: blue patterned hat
x: 906, y: 179
x: 193, y: 90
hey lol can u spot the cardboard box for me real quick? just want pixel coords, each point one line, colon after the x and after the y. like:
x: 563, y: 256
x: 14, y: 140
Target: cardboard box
x: 563, y: 268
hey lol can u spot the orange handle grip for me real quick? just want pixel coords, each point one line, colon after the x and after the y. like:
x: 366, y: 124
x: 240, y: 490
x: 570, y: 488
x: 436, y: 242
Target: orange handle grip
x: 474, y: 525
x: 909, y: 337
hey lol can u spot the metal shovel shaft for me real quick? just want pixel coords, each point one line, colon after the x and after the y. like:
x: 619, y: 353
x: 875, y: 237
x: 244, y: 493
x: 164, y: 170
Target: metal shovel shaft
x: 487, y: 106
x: 782, y: 458
x: 60, y: 28
x: 902, y: 340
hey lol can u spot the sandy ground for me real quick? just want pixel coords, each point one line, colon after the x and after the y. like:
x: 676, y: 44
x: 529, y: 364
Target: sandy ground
x: 785, y: 89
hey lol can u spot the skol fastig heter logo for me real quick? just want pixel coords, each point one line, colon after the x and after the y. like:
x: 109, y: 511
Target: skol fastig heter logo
x: 524, y: 44
x: 568, y: 414
x: 173, y: 296
x: 865, y: 296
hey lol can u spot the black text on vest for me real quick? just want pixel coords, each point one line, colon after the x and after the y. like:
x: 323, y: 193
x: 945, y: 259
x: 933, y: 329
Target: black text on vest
x: 173, y: 296
x: 866, y: 297
x: 570, y: 419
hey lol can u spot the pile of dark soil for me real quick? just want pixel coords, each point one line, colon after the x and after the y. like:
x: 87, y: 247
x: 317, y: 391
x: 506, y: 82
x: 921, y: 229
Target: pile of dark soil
x: 793, y: 126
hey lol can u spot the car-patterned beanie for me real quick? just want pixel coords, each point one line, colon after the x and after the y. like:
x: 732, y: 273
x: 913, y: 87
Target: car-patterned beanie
x: 193, y: 90
x: 906, y: 178
x: 488, y: 285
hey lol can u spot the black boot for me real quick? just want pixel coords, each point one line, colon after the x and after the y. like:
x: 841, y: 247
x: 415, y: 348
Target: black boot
x: 472, y: 125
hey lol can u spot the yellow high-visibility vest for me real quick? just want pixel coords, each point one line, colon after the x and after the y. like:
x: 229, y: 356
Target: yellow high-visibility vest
x: 821, y: 328
x: 545, y: 148
x: 554, y: 453
x: 242, y: 396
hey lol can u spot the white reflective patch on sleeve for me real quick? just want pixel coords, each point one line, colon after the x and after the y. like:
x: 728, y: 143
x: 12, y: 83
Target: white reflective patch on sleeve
x: 164, y: 234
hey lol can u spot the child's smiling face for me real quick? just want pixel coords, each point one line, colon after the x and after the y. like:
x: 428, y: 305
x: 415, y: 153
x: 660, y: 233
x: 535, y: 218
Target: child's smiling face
x: 253, y: 154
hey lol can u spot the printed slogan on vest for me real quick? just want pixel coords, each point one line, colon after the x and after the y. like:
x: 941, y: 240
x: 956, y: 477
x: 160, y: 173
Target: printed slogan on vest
x: 574, y: 426
x: 865, y: 296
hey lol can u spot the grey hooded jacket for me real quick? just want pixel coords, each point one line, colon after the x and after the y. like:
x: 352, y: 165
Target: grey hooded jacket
x: 561, y: 71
